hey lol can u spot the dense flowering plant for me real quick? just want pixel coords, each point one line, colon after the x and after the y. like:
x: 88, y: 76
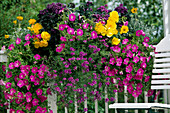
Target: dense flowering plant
x: 80, y: 51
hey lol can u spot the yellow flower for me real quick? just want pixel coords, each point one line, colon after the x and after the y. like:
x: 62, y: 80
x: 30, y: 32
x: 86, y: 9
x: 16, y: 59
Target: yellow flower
x: 36, y: 44
x: 124, y: 29
x: 36, y: 28
x: 134, y: 10
x: 15, y: 21
x: 20, y: 18
x: 44, y: 43
x: 32, y: 21
x: 99, y: 27
x: 45, y: 36
x: 114, y: 16
x: 110, y: 24
x: 115, y: 31
x: 6, y: 36
x: 115, y: 41
x: 109, y: 32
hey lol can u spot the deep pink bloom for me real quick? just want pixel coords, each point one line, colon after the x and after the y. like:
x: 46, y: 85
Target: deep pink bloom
x: 29, y: 98
x: 27, y: 43
x: 145, y: 44
x: 125, y: 82
x: 18, y: 41
x: 38, y: 110
x: 138, y: 33
x: 8, y: 85
x: 79, y: 32
x: 70, y: 31
x: 135, y: 93
x: 130, y: 88
x: 20, y: 111
x: 62, y: 45
x: 28, y: 94
x: 94, y: 34
x: 27, y: 37
x: 9, y: 74
x: 3, y: 67
x: 143, y: 59
x: 63, y: 39
x: 139, y: 86
x: 150, y: 93
x: 28, y: 106
x: 72, y: 17
x: 34, y: 70
x: 147, y: 78
x: 11, y: 65
x: 146, y: 39
x: 112, y: 61
x: 37, y: 57
x: 20, y: 95
x: 20, y: 83
x: 126, y: 61
x: 37, y: 81
x: 129, y: 69
x: 17, y: 63
x: 61, y: 27
x: 128, y: 46
x: 140, y: 71
x: 59, y: 49
x: 85, y: 26
x: 136, y: 59
x: 28, y: 87
x: 126, y: 23
x: 2, y: 82
x: 143, y: 65
x: 12, y: 110
x: 35, y: 102
x: 129, y: 76
x: 125, y: 41
x: 22, y: 75
x: 42, y: 98
x: 11, y: 47
x: 135, y: 48
x: 119, y: 61
x: 129, y: 54
x: 107, y: 68
x: 116, y: 49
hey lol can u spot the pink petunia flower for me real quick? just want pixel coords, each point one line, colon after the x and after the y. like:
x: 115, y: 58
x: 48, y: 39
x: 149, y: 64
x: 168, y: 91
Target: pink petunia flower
x: 20, y: 83
x: 28, y: 99
x: 79, y: 32
x: 27, y: 37
x: 119, y: 61
x: 129, y: 69
x: 94, y: 35
x: 125, y: 41
x: 59, y: 49
x: 18, y: 41
x: 135, y: 94
x: 70, y: 31
x: 147, y: 78
x: 2, y: 82
x: 20, y: 95
x: 12, y: 110
x: 32, y: 78
x: 146, y: 39
x: 9, y: 74
x: 17, y: 63
x: 3, y: 68
x: 63, y: 39
x: 138, y: 33
x: 34, y: 70
x: 11, y: 65
x: 35, y: 102
x: 143, y: 65
x: 112, y: 61
x: 85, y: 26
x: 150, y: 93
x: 126, y: 60
x: 28, y: 106
x: 8, y: 85
x: 61, y: 27
x: 27, y: 43
x: 39, y: 91
x: 72, y: 17
x: 11, y: 47
x: 135, y: 48
x: 37, y: 57
x: 126, y: 23
x: 22, y: 75
x: 20, y: 111
x: 136, y: 59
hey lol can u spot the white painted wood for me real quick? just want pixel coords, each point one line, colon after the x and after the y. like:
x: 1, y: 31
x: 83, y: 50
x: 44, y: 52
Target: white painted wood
x: 146, y: 99
x: 162, y: 60
x: 136, y: 102
x: 3, y: 56
x: 160, y: 86
x: 160, y: 76
x: 125, y: 96
x: 52, y: 100
x: 161, y: 70
x: 165, y: 99
x: 166, y: 21
x: 96, y: 104
x: 106, y: 103
x: 164, y: 44
x: 66, y: 110
x: 75, y: 102
x: 160, y: 82
x: 85, y: 102
x: 162, y: 55
x: 161, y: 65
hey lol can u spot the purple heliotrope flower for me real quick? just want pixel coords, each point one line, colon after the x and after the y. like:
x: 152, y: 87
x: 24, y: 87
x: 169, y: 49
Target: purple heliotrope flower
x: 121, y: 9
x: 79, y: 32
x: 72, y: 17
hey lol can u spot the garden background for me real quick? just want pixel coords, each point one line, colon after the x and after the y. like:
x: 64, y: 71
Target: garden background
x: 149, y: 11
